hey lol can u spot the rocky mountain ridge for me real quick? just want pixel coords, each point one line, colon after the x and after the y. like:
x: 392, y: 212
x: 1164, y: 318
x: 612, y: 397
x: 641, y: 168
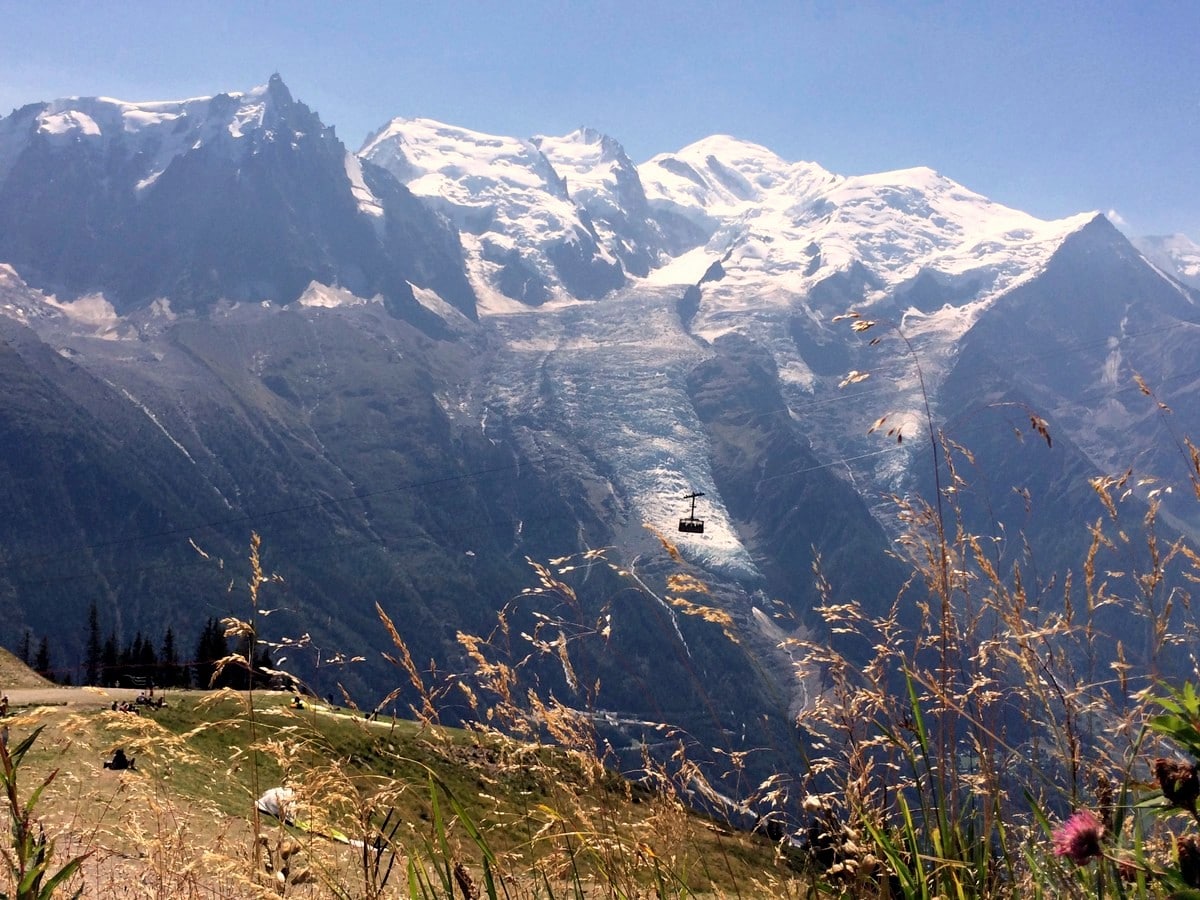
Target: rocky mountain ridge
x: 236, y: 197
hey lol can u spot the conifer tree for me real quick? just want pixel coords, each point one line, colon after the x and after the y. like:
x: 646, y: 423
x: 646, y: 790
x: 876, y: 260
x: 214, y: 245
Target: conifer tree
x: 109, y: 660
x: 263, y: 663
x: 41, y: 663
x: 168, y: 661
x: 147, y: 662
x: 132, y: 654
x: 95, y: 649
x: 211, y: 647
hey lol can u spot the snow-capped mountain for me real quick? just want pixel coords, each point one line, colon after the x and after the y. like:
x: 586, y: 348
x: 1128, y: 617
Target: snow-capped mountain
x: 641, y: 332
x: 791, y: 246
x: 152, y: 135
x: 525, y: 238
x: 719, y: 177
x: 780, y: 248
x: 797, y: 225
x: 604, y: 181
x: 242, y: 197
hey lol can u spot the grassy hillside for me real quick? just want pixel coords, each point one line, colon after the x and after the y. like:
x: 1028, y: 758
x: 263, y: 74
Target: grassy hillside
x: 15, y: 674
x: 441, y: 805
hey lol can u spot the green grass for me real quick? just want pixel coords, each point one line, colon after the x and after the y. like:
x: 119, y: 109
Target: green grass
x: 460, y: 797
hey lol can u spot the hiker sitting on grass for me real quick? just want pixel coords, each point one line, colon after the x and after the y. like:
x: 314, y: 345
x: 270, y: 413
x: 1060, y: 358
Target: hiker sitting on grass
x: 120, y: 761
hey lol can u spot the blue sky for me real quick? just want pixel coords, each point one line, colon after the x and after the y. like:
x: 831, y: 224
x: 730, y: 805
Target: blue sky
x: 1052, y: 107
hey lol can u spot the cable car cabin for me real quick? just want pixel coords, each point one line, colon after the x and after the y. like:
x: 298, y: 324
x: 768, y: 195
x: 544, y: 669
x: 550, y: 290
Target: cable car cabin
x: 691, y: 524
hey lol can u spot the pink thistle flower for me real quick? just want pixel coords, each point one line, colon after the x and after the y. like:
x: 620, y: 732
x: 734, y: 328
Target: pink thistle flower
x: 1079, y: 837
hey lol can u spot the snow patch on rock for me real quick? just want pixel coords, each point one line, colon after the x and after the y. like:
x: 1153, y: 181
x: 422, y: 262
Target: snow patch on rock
x: 327, y: 297
x: 92, y: 310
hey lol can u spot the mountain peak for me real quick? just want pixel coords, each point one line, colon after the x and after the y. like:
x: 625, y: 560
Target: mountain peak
x: 603, y: 181
x: 272, y: 110
x: 109, y: 179
x: 725, y: 145
x: 524, y: 235
x: 609, y: 147
x: 583, y: 151
x: 587, y: 135
x: 771, y: 221
x: 915, y: 176
x: 717, y: 176
x: 278, y: 91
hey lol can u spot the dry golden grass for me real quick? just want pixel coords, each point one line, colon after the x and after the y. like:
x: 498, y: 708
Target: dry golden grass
x: 15, y: 674
x: 181, y: 824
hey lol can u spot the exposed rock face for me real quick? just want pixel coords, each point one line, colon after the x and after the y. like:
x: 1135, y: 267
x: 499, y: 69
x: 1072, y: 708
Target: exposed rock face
x: 243, y: 197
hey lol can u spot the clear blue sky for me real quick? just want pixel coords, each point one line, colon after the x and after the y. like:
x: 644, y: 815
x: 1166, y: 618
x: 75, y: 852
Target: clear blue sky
x: 1053, y: 107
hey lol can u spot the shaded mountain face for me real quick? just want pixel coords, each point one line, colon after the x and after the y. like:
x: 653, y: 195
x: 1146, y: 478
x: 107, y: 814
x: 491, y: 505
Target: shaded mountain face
x: 377, y: 465
x: 1175, y: 254
x: 241, y: 197
x: 788, y: 508
x: 1071, y: 345
x: 480, y: 350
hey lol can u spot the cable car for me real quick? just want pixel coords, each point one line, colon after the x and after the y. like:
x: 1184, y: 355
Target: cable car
x: 691, y: 524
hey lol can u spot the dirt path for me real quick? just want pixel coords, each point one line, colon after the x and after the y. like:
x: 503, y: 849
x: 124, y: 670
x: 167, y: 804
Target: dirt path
x: 69, y: 696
